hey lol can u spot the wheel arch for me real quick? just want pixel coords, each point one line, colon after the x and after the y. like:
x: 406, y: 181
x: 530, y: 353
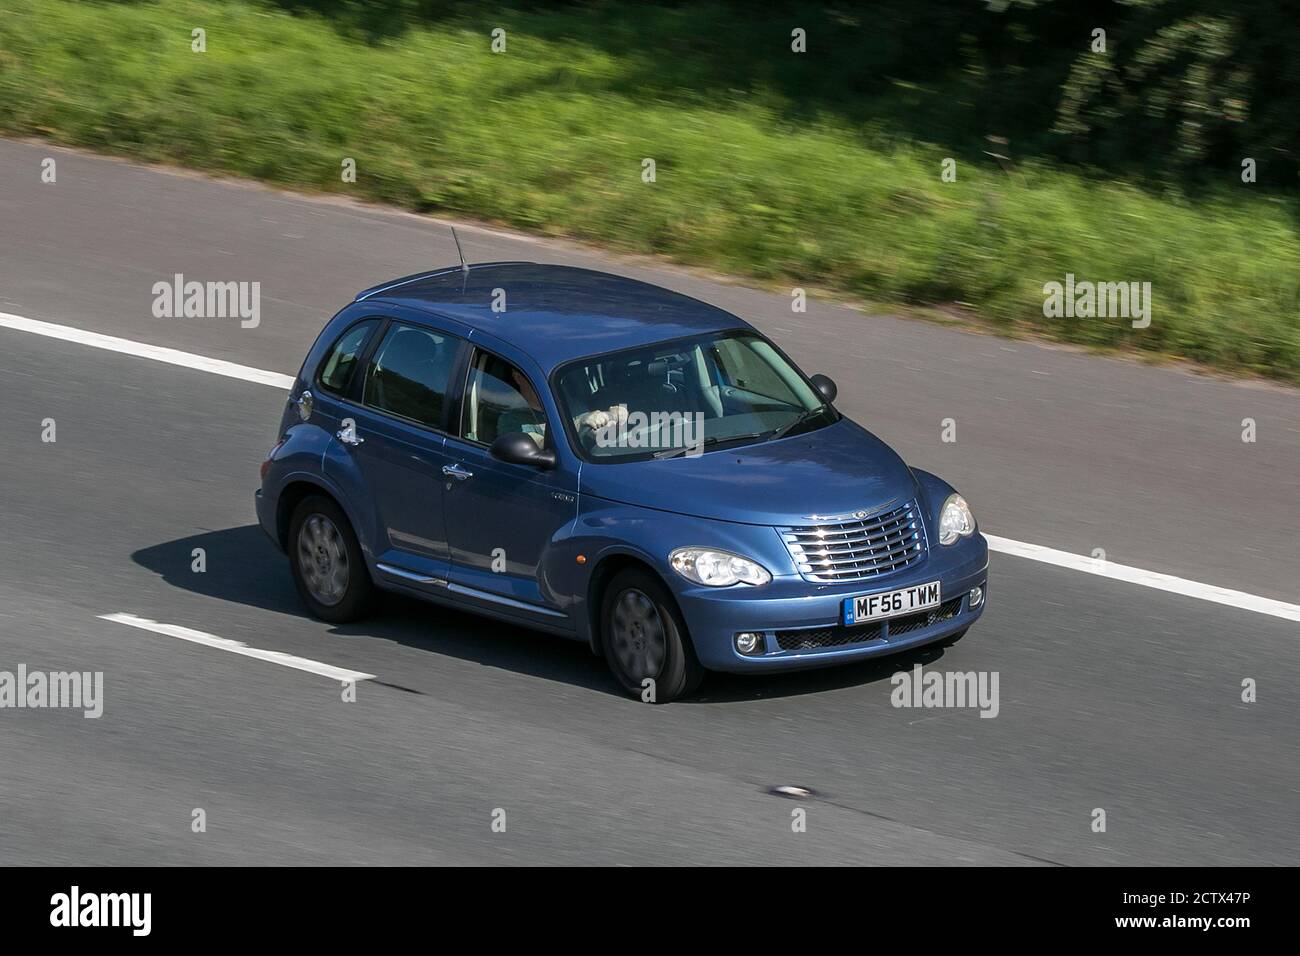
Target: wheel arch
x: 604, y: 572
x: 291, y: 495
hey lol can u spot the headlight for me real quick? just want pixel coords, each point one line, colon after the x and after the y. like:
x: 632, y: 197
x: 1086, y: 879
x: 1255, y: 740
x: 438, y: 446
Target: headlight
x: 717, y: 569
x: 955, y: 520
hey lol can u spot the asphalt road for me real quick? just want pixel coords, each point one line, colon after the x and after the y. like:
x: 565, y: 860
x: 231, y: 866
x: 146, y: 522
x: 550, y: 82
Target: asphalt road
x: 1112, y: 696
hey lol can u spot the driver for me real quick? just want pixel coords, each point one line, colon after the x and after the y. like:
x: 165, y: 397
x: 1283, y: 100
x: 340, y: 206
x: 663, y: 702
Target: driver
x: 530, y: 420
x: 595, y: 426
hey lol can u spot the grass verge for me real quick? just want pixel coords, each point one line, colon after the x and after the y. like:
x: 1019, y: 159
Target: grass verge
x: 551, y: 135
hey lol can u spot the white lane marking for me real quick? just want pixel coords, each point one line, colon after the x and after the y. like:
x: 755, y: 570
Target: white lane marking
x: 1020, y: 549
x: 156, y: 352
x: 340, y: 674
x: 1147, y: 579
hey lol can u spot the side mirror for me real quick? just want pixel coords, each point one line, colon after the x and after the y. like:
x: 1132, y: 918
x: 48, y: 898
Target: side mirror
x: 518, y: 448
x: 825, y: 386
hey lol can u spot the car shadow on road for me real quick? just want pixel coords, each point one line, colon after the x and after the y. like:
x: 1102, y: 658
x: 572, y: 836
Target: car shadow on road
x: 244, y: 567
x: 731, y: 688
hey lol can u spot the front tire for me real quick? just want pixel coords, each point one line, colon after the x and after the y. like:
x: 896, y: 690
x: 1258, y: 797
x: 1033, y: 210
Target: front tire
x: 325, y: 557
x: 645, y: 638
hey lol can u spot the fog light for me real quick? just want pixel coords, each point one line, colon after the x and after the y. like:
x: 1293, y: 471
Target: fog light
x: 976, y: 597
x: 748, y: 642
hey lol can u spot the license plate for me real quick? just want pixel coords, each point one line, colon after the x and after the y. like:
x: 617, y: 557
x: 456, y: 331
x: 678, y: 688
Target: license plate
x: 873, y: 607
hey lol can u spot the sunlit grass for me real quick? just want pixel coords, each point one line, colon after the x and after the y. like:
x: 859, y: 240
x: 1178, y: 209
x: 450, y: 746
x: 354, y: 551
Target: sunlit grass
x: 550, y: 136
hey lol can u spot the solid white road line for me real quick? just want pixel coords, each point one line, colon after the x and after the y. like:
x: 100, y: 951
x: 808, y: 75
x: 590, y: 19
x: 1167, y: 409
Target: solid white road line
x: 159, y: 354
x: 1147, y: 579
x: 1020, y: 549
x: 341, y: 674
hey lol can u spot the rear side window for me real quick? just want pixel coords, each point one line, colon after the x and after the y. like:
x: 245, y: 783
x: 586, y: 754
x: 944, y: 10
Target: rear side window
x: 340, y: 365
x: 409, y: 374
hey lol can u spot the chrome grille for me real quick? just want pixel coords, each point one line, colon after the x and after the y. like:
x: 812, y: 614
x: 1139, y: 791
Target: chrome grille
x: 860, y: 548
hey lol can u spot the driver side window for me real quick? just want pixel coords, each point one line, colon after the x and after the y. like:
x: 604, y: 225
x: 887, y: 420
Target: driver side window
x: 499, y: 399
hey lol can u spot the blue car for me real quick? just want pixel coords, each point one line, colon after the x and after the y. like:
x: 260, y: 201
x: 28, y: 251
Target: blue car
x: 609, y: 461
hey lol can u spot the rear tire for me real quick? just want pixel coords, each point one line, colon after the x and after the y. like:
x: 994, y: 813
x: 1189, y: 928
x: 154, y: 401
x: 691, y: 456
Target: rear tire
x: 644, y: 637
x: 325, y: 557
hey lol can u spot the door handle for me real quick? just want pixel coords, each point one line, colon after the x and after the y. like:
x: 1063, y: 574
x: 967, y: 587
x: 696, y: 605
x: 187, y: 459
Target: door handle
x: 457, y: 472
x: 348, y: 436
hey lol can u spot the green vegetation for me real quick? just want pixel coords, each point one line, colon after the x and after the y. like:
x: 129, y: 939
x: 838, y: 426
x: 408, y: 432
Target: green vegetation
x: 786, y: 167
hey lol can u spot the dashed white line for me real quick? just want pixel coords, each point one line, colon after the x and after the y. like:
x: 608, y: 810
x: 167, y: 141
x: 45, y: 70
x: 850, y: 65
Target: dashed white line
x: 341, y: 674
x: 155, y: 352
x: 1020, y: 549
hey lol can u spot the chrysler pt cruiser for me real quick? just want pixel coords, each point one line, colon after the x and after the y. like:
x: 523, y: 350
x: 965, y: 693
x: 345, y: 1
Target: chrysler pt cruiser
x: 612, y: 462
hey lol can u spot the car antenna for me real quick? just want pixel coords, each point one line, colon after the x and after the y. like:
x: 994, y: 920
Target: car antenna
x: 464, y: 266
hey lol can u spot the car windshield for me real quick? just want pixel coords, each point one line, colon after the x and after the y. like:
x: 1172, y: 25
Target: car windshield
x: 686, y: 397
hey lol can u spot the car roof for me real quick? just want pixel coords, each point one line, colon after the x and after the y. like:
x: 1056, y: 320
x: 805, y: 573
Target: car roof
x: 557, y: 313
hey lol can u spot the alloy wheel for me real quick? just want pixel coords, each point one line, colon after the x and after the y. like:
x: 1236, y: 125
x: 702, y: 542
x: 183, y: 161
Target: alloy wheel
x: 638, y: 636
x: 323, y: 559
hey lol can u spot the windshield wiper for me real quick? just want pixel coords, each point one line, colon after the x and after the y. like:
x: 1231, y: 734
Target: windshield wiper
x: 679, y: 452
x: 805, y: 416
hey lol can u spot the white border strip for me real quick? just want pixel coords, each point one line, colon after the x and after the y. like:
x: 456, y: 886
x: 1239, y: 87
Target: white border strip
x: 1147, y: 579
x: 156, y: 352
x: 1020, y: 549
x: 341, y: 674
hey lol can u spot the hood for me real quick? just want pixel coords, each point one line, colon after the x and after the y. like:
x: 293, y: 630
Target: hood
x: 835, y: 470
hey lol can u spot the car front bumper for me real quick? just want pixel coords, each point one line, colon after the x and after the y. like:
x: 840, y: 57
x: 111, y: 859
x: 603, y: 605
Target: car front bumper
x: 800, y: 622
